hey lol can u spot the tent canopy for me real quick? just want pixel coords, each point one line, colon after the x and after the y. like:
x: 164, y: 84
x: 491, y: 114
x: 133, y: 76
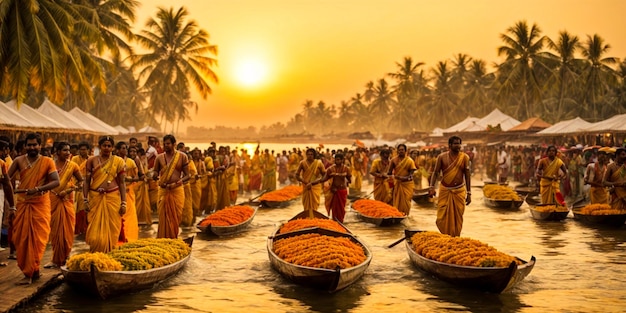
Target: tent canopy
x: 93, y: 121
x: 56, y: 113
x: 11, y: 117
x: 34, y: 116
x: 531, y: 124
x: 565, y: 127
x: 460, y: 126
x: 615, y: 123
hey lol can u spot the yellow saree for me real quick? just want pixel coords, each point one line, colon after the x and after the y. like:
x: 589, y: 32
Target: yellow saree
x: 451, y: 203
x: 170, y: 202
x: 63, y: 216
x: 311, y: 197
x: 105, y: 222
x: 382, y: 191
x: 403, y: 190
x: 131, y: 223
x: 549, y: 187
x: 31, y: 225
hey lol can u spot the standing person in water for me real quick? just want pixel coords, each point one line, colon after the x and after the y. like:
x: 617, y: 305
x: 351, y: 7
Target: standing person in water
x: 337, y: 196
x: 454, y: 190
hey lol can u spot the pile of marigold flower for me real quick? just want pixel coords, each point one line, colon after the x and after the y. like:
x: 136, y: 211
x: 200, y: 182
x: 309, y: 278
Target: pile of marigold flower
x: 375, y: 208
x: 228, y: 216
x: 142, y: 254
x: 551, y: 208
x: 286, y: 193
x: 498, y: 192
x: 459, y: 251
x: 315, y: 250
x: 311, y: 222
x: 600, y: 209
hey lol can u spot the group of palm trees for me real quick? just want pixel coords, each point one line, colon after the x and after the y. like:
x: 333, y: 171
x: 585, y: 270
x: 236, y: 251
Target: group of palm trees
x: 540, y: 77
x: 83, y: 53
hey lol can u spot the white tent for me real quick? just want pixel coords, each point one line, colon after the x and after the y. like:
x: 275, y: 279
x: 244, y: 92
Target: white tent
x: 93, y: 121
x: 496, y: 117
x: 564, y: 127
x: 53, y: 111
x: 121, y: 129
x: 437, y: 132
x: 615, y: 123
x: 460, y: 126
x: 33, y: 116
x: 148, y: 129
x: 10, y: 117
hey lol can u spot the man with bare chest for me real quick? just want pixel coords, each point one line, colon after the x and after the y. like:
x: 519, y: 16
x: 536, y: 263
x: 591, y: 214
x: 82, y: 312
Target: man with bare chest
x: 337, y: 196
x: 454, y: 191
x: 402, y: 168
x: 171, y: 170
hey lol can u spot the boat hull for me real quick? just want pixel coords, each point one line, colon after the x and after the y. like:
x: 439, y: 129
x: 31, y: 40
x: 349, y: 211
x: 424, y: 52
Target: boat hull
x: 106, y: 284
x: 490, y: 279
x: 380, y: 221
x: 503, y: 204
x: 274, y: 204
x: 613, y: 220
x: 227, y: 230
x: 318, y: 278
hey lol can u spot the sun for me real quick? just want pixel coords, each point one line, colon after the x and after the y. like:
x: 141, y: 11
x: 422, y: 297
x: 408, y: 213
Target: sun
x: 251, y: 73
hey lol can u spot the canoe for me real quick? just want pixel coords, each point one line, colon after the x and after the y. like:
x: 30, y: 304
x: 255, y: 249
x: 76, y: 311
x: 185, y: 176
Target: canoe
x: 274, y: 204
x: 503, y: 204
x: 547, y: 216
x: 318, y: 278
x: 490, y: 279
x: 380, y: 221
x: 421, y: 196
x: 524, y: 189
x: 533, y: 198
x: 613, y: 220
x: 110, y: 283
x: 316, y: 214
x: 227, y: 230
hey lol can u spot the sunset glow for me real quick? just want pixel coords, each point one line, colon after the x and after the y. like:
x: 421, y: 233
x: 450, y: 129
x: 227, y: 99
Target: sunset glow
x: 251, y: 73
x: 275, y: 55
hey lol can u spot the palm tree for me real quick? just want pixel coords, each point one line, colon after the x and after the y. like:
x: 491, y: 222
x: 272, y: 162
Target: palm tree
x: 37, y: 50
x: 381, y: 104
x: 445, y: 107
x: 361, y: 118
x: 121, y: 103
x: 405, y: 90
x: 459, y: 73
x: 598, y: 76
x: 478, y: 95
x: 519, y: 74
x: 177, y: 57
x: 564, y: 77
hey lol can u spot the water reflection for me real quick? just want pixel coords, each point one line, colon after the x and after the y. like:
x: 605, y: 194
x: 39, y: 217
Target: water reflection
x: 552, y: 235
x: 321, y: 301
x: 608, y: 240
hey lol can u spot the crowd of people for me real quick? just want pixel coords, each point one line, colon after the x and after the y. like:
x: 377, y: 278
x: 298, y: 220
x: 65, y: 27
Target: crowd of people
x: 107, y: 192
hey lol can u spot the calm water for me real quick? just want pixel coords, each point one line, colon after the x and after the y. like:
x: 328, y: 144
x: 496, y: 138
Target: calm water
x: 578, y: 269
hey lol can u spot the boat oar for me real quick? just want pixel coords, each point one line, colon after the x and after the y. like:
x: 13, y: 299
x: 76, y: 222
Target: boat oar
x: 396, y: 242
x: 258, y: 196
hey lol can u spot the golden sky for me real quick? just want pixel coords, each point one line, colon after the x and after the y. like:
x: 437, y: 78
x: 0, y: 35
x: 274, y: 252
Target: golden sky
x: 276, y: 54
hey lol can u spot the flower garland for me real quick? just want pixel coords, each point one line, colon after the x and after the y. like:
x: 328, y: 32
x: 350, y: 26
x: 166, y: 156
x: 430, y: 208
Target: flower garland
x: 600, y: 209
x: 459, y: 251
x: 286, y: 193
x: 311, y: 222
x: 315, y: 250
x: 498, y: 192
x: 141, y: 254
x: 375, y: 208
x: 228, y: 216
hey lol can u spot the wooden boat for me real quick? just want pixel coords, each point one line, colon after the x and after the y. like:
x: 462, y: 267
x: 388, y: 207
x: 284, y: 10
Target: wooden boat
x: 491, y: 279
x: 380, y: 221
x: 318, y: 278
x: 504, y: 204
x: 274, y: 204
x: 524, y: 189
x: 110, y: 283
x: 533, y: 199
x: 421, y: 196
x: 547, y: 216
x: 613, y: 220
x: 227, y: 230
